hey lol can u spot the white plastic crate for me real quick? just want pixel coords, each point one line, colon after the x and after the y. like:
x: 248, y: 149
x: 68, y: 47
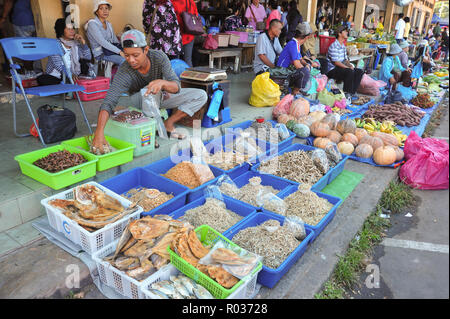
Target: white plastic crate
x: 245, y: 291
x: 119, y: 280
x: 89, y: 242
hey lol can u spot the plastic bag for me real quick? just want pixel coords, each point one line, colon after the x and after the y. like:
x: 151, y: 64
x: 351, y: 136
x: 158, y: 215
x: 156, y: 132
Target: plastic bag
x: 370, y: 86
x: 296, y: 225
x: 342, y: 104
x: 227, y: 186
x: 198, y: 148
x: 407, y: 92
x: 212, y: 192
x: 327, y: 98
x: 283, y: 132
x: 150, y: 107
x: 271, y: 202
x: 265, y: 92
x: 283, y: 106
x: 427, y: 165
x: 394, y: 96
x: 322, y: 80
x: 333, y: 154
x: 317, y: 107
x: 233, y: 259
x: 247, y: 145
x: 319, y: 158
x: 201, y: 170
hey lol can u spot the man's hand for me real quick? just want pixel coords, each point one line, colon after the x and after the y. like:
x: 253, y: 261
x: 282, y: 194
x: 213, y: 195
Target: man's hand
x: 154, y: 87
x: 99, y: 140
x: 392, y: 81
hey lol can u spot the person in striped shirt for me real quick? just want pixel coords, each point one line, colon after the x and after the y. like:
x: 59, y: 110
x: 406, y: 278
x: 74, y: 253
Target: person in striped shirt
x: 339, y: 67
x: 151, y: 69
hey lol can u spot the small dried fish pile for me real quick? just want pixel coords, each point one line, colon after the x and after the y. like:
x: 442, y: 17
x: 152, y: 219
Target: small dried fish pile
x: 142, y: 249
x: 270, y: 240
x: 59, y: 161
x: 226, y: 160
x: 245, y: 145
x: 308, y: 206
x: 187, y: 245
x: 212, y: 213
x: 91, y: 208
x: 147, y: 198
x: 179, y: 287
x: 295, y: 166
x: 127, y: 116
x: 264, y: 131
x: 249, y: 192
x: 189, y: 174
x: 361, y: 100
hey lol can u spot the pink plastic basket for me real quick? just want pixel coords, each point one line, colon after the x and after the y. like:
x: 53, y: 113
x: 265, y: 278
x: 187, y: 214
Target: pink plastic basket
x: 95, y: 88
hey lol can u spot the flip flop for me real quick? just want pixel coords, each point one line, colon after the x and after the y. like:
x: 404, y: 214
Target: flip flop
x: 176, y: 135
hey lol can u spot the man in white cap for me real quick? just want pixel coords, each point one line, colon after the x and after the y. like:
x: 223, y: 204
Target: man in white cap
x: 392, y: 71
x: 151, y: 69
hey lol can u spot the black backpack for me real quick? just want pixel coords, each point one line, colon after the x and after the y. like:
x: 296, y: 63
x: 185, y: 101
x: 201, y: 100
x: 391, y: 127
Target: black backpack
x: 56, y: 123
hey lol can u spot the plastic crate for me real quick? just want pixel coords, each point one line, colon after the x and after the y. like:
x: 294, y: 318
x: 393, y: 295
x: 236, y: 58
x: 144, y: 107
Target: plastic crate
x: 89, y: 242
x: 338, y: 169
x: 266, y: 180
x: 209, y: 236
x: 118, y: 279
x: 95, y: 89
x: 245, y: 291
x: 60, y: 179
x: 122, y: 155
x: 142, y: 135
x: 162, y: 166
x: 240, y: 208
x: 139, y: 177
x: 243, y: 36
x: 335, y: 201
x: 269, y: 277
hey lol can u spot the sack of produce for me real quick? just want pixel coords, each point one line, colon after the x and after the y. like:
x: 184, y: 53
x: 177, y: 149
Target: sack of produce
x: 283, y: 106
x: 56, y: 123
x: 370, y: 86
x: 427, y: 165
x: 265, y: 92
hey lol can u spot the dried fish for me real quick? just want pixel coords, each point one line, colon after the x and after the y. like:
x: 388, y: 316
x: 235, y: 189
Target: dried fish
x: 226, y: 160
x: 147, y: 198
x: 249, y: 192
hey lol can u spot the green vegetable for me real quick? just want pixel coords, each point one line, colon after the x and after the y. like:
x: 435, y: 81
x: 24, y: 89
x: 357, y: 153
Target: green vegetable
x: 301, y: 130
x: 290, y: 124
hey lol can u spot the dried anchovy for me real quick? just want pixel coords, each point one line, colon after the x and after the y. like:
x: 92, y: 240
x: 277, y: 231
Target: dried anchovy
x: 147, y: 198
x: 295, y: 166
x: 264, y: 131
x: 128, y: 116
x: 308, y: 206
x: 59, y: 161
x: 226, y: 160
x: 212, y: 213
x: 269, y: 240
x: 249, y: 192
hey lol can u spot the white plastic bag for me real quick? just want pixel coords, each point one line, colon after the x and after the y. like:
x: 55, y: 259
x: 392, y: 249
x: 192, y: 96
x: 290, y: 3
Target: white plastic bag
x: 150, y: 107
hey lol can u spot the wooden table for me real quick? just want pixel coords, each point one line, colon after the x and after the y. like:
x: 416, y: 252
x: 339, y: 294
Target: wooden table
x: 222, y: 53
x: 248, y: 54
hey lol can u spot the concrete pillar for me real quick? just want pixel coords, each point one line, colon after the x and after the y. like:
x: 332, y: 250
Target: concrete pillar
x: 359, y: 14
x: 388, y: 19
x: 351, y: 9
x: 313, y: 11
x: 303, y: 7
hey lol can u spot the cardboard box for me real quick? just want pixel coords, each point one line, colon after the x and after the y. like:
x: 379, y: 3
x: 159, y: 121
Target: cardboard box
x: 222, y: 39
x: 234, y: 39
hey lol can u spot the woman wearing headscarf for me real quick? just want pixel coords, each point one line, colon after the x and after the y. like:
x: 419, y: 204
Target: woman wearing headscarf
x: 161, y: 27
x: 392, y: 72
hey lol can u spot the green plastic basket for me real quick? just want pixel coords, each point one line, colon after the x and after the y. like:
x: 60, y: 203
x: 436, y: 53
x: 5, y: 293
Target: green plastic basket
x: 208, y: 236
x: 61, y: 179
x: 122, y: 155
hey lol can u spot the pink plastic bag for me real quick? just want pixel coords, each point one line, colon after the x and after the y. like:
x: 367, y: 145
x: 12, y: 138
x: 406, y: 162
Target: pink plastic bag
x: 322, y: 80
x: 427, y: 165
x: 283, y: 106
x: 342, y: 104
x: 369, y: 86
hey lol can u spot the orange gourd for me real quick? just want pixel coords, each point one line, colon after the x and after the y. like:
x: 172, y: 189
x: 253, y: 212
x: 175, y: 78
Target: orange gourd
x: 322, y: 142
x: 351, y: 138
x: 360, y: 133
x: 320, y: 129
x: 346, y: 126
x: 346, y: 148
x: 384, y: 155
x: 375, y: 142
x: 299, y: 108
x: 364, y: 151
x: 334, y: 136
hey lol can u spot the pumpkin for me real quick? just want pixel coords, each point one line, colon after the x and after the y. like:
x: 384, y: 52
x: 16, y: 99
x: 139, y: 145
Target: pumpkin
x: 364, y: 151
x: 299, y: 108
x: 290, y: 124
x: 360, y: 133
x: 346, y: 148
x: 346, y: 126
x: 322, y: 142
x: 388, y: 139
x: 334, y: 136
x: 331, y: 119
x: 301, y: 130
x: 320, y: 129
x: 307, y: 120
x: 384, y: 155
x: 399, y: 154
x: 375, y: 142
x: 317, y: 115
x: 283, y: 118
x: 351, y: 138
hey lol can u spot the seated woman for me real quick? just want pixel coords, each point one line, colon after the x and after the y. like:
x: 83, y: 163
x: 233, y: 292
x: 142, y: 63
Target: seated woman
x: 77, y: 56
x: 424, y: 55
x: 104, y: 43
x: 403, y: 56
x: 234, y: 22
x: 392, y: 71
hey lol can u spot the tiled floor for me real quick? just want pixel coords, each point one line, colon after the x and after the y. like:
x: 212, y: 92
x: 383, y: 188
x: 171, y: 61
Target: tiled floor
x: 17, y: 237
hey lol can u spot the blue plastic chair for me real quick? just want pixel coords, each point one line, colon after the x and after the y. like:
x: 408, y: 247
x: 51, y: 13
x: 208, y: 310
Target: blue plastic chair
x: 32, y: 49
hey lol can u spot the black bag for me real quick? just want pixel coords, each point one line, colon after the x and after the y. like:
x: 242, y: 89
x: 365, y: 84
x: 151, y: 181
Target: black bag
x: 56, y: 124
x: 394, y: 96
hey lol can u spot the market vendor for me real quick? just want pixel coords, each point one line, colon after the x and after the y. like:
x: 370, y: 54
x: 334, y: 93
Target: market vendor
x: 339, y: 66
x: 150, y: 69
x: 267, y: 48
x: 403, y: 56
x: 255, y: 13
x: 424, y: 55
x: 392, y: 71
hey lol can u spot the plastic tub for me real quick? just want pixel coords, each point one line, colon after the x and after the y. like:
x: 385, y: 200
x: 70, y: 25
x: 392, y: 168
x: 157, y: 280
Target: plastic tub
x: 122, y: 155
x: 240, y: 208
x: 209, y: 236
x: 335, y: 201
x: 139, y: 177
x: 269, y: 277
x: 90, y: 242
x: 61, y: 179
x: 95, y: 89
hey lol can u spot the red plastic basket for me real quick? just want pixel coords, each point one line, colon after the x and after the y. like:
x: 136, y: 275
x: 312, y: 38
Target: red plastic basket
x: 324, y: 43
x: 95, y: 88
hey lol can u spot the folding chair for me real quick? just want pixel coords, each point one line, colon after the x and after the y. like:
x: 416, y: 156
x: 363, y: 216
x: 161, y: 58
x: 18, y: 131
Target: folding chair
x: 32, y: 49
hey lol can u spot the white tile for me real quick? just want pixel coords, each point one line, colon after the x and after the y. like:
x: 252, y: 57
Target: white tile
x: 9, y: 215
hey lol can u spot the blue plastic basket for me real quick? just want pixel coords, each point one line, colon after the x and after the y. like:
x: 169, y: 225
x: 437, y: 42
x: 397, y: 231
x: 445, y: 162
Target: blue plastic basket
x: 235, y: 206
x: 139, y: 177
x: 335, y: 201
x: 269, y: 277
x: 162, y: 166
x: 236, y: 129
x: 266, y: 180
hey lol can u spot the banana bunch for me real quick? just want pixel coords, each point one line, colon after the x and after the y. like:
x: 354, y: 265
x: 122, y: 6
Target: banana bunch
x: 387, y: 127
x: 359, y: 122
x: 400, y: 137
x: 370, y: 125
